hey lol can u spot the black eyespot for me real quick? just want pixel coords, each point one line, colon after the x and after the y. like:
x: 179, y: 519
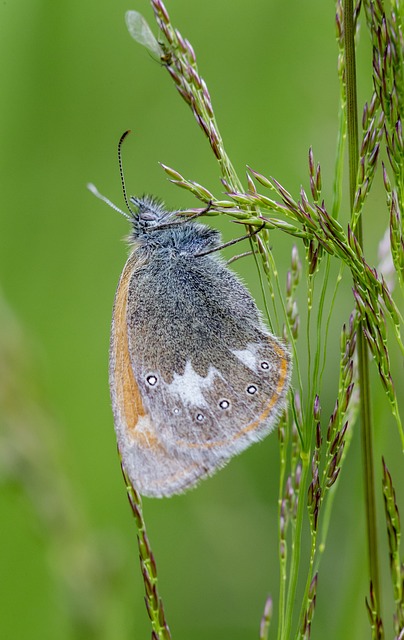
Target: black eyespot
x: 200, y: 417
x: 264, y: 365
x: 151, y: 380
x: 224, y: 404
x: 251, y: 389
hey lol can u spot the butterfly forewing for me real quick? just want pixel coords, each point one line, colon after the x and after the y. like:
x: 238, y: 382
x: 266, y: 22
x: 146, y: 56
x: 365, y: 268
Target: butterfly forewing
x: 151, y: 468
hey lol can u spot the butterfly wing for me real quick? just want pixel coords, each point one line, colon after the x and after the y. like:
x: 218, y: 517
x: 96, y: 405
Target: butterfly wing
x: 152, y: 469
x: 211, y: 377
x: 234, y: 409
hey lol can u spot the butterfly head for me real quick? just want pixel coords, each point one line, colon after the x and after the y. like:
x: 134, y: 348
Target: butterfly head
x: 148, y: 213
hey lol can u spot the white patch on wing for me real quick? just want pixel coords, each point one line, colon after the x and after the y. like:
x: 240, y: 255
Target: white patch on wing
x: 248, y: 356
x: 189, y: 387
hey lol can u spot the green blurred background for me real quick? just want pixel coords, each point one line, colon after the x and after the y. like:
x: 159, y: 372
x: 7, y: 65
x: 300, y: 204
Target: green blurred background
x: 72, y: 81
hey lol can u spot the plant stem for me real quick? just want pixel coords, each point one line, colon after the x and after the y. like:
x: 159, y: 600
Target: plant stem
x: 352, y: 107
x: 363, y: 360
x: 283, y: 445
x: 154, y: 603
x: 296, y: 546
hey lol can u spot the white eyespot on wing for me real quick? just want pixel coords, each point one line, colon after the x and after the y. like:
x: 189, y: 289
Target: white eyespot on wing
x: 252, y: 389
x: 189, y: 386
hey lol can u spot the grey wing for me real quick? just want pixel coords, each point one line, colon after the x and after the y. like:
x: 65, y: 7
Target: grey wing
x: 213, y: 379
x: 152, y: 469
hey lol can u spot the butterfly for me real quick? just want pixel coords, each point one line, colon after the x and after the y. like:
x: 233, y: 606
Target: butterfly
x: 195, y: 376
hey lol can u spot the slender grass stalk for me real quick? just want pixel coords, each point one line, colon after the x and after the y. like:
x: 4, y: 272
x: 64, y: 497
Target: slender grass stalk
x: 363, y: 357
x: 394, y: 540
x: 154, y: 604
x: 296, y: 550
x: 283, y: 437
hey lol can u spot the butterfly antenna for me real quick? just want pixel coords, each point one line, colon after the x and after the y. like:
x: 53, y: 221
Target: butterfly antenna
x: 120, y: 143
x: 107, y: 201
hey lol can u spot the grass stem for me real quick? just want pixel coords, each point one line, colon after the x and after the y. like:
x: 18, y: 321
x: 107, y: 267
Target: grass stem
x: 363, y: 360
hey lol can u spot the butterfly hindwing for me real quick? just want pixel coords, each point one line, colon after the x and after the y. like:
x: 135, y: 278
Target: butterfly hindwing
x: 210, y: 391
